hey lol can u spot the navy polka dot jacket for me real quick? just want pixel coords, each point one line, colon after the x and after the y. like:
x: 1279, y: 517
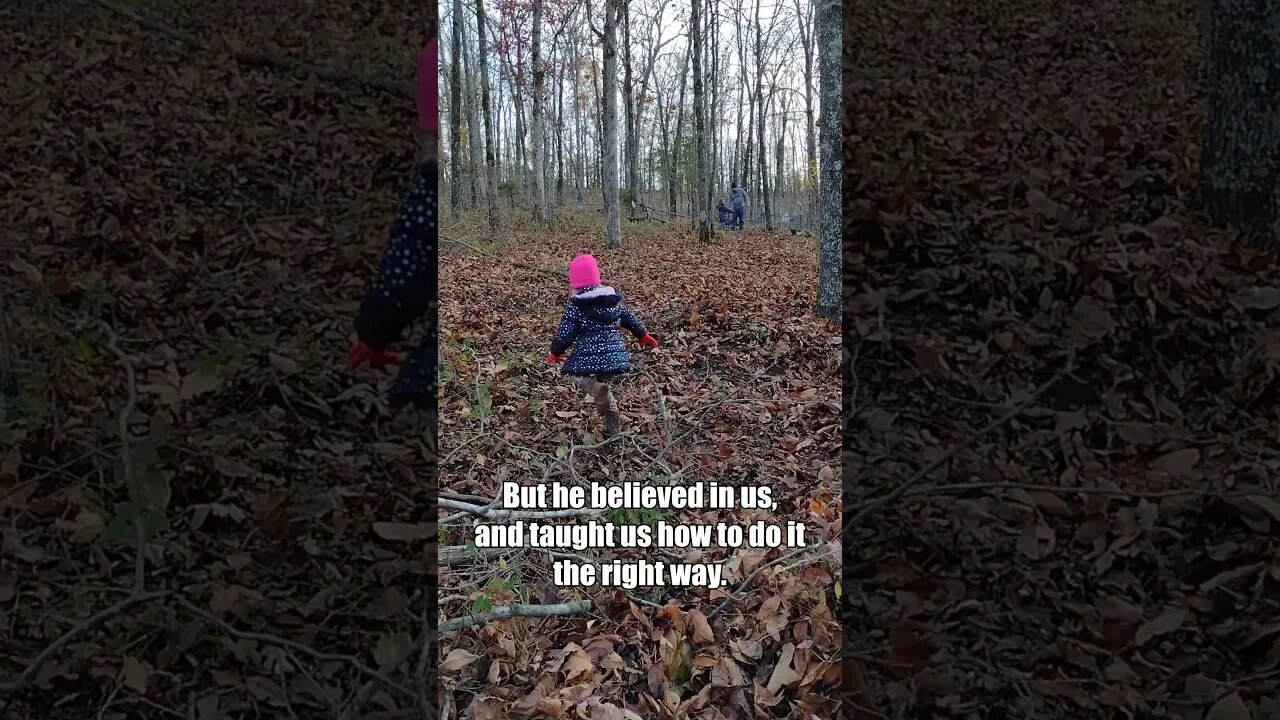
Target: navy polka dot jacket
x: 406, y: 290
x: 591, y: 324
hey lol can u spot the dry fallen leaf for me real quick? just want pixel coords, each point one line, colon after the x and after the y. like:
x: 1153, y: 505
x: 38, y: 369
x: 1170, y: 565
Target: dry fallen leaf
x: 1229, y: 707
x: 1163, y: 624
x: 783, y: 675
x: 727, y: 674
x: 1178, y: 463
x: 134, y: 674
x: 457, y: 659
x: 701, y: 628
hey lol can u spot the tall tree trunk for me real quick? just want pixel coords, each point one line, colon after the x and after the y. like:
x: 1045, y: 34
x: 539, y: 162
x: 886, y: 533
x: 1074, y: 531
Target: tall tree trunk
x: 597, y: 175
x: 560, y: 128
x: 580, y: 132
x: 455, y: 114
x: 475, y: 133
x: 521, y: 169
x: 613, y: 216
x: 737, y: 169
x: 749, y: 144
x: 760, y: 130
x: 828, y: 30
x: 538, y: 141
x: 498, y: 127
x: 804, y: 18
x: 1240, y: 166
x: 703, y: 212
x: 491, y: 160
x: 629, y: 154
x: 716, y: 123
x: 674, y: 159
x: 779, y: 148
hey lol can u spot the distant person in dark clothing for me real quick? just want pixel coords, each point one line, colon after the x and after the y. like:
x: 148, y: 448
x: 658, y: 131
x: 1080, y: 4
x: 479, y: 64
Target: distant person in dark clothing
x: 726, y: 215
x: 738, y: 201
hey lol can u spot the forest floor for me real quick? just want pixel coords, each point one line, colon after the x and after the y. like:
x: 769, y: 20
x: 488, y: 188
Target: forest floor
x: 743, y: 391
x: 1025, y: 220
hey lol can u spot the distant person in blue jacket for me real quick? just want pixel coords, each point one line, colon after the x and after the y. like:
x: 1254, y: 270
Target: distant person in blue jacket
x: 738, y: 201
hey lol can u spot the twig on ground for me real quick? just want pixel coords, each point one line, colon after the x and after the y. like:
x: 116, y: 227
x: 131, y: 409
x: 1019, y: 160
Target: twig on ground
x: 517, y: 263
x: 351, y: 660
x: 903, y: 488
x: 742, y: 585
x: 264, y: 60
x: 1067, y: 490
x: 64, y: 639
x: 456, y: 554
x: 428, y: 648
x: 492, y: 513
x: 459, y: 515
x: 463, y: 444
x: 510, y: 611
x: 662, y: 413
x: 126, y: 460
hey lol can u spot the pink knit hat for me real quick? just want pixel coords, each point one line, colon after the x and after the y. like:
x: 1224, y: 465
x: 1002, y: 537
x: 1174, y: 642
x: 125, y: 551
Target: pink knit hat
x: 583, y: 272
x: 428, y: 88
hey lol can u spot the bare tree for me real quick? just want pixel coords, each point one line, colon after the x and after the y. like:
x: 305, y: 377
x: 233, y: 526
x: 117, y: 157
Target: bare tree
x: 475, y: 133
x: 537, y: 142
x: 613, y: 215
x: 455, y: 113
x: 804, y: 25
x: 580, y: 171
x: 491, y: 161
x: 828, y: 22
x: 703, y: 214
x: 761, y: 46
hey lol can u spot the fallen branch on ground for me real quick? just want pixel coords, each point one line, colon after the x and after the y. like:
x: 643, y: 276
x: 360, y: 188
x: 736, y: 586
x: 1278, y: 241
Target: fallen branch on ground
x: 427, y: 649
x: 456, y: 554
x: 510, y: 611
x: 902, y: 489
x: 742, y: 585
x: 502, y: 514
x: 958, y: 488
x: 126, y: 459
x: 294, y: 645
x: 262, y: 59
x: 517, y: 263
x: 33, y: 668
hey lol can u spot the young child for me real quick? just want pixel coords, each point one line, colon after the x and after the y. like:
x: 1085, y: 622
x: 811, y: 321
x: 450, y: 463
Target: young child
x: 591, y: 322
x: 406, y: 285
x: 726, y: 215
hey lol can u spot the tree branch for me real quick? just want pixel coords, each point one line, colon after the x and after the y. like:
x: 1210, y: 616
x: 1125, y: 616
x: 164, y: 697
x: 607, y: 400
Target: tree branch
x: 504, y: 514
x: 510, y: 611
x: 903, y: 488
x: 528, y: 266
x: 126, y: 460
x: 33, y: 668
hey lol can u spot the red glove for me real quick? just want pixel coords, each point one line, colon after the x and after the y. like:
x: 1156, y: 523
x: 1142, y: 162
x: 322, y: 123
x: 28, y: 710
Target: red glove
x: 362, y: 354
x: 553, y: 358
x: 648, y: 341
